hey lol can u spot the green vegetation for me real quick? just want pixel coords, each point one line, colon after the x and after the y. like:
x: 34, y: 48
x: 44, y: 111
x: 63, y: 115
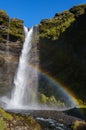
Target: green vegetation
x: 5, y: 115
x: 13, y: 27
x: 53, y: 28
x: 3, y: 24
x: 2, y: 125
x: 3, y: 18
x: 50, y: 101
x: 16, y: 29
x: 78, y: 10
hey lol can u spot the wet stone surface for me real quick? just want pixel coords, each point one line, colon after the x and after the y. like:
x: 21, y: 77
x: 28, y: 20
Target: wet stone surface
x: 50, y: 124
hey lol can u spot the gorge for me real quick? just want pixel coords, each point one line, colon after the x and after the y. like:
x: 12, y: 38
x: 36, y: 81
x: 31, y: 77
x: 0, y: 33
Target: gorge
x: 52, y: 67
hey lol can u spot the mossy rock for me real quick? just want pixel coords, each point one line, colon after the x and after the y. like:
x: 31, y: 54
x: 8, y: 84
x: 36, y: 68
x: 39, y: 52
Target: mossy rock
x: 52, y: 28
x: 4, y: 18
x: 16, y: 121
x: 79, y: 125
x: 16, y: 30
x: 12, y: 27
x: 5, y: 115
x: 78, y: 10
x: 3, y: 14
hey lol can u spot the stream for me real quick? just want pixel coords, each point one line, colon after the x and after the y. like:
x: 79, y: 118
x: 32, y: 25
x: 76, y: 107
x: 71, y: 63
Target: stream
x: 50, y: 124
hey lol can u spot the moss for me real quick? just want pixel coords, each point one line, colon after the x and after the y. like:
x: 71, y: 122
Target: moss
x: 52, y: 28
x: 78, y: 10
x: 43, y: 99
x: 16, y: 29
x: 5, y: 115
x: 3, y: 18
x: 2, y: 125
x: 3, y: 14
x: 50, y: 101
x: 13, y: 27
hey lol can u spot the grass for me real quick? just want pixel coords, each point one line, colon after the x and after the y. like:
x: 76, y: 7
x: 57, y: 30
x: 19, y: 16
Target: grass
x: 82, y: 106
x: 5, y: 115
x: 2, y: 125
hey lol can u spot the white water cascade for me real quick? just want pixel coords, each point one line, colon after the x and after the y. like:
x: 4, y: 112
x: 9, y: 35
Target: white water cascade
x: 24, y: 94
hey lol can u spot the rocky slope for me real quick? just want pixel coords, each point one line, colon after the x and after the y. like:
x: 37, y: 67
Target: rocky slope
x: 16, y: 122
x: 62, y: 48
x: 39, y: 120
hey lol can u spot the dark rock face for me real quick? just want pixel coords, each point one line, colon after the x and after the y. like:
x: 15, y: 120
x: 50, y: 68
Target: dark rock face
x: 62, y: 48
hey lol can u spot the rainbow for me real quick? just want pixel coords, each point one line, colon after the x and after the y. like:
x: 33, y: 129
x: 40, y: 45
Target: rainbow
x: 69, y: 93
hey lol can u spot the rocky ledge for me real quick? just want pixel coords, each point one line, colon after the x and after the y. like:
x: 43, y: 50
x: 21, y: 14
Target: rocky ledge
x: 16, y: 122
x: 39, y: 120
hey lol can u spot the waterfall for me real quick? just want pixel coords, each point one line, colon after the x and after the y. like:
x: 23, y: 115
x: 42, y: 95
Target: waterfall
x: 25, y: 85
x: 26, y: 78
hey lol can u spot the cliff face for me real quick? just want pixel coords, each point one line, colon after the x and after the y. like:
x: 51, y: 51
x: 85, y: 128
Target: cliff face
x: 12, y: 30
x: 11, y: 38
x: 62, y: 48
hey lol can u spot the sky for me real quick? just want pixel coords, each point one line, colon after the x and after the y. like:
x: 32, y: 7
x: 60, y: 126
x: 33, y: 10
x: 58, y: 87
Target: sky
x: 33, y: 11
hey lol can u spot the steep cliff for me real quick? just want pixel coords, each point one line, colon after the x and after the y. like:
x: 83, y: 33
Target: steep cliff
x: 62, y: 48
x: 11, y: 39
